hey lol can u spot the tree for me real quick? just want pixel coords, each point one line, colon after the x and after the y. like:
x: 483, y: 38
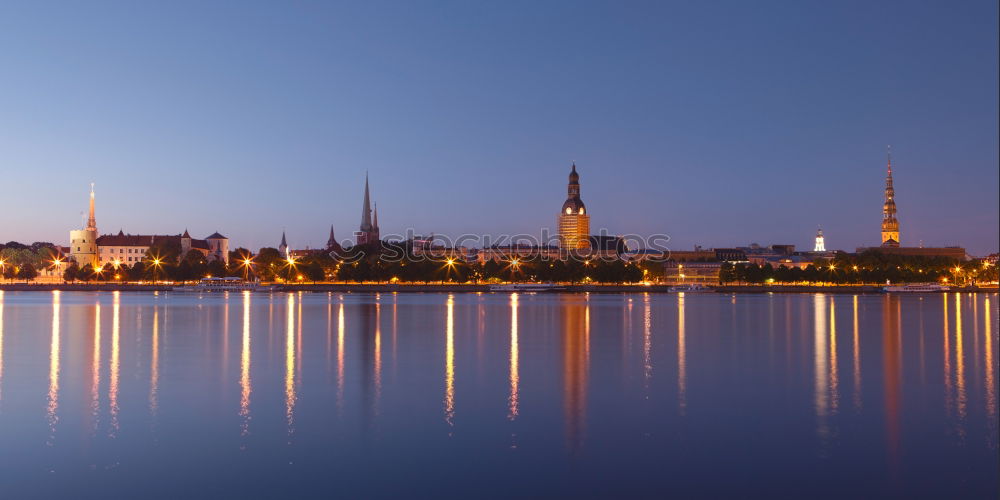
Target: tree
x: 727, y: 273
x: 85, y: 273
x: 27, y: 272
x: 313, y: 271
x: 216, y: 268
x: 69, y: 274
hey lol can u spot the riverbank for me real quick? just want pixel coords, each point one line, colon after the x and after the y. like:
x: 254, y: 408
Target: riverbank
x: 466, y: 288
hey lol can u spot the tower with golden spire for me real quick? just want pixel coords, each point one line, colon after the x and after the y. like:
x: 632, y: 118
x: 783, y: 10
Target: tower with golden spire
x: 890, y: 225
x: 574, y: 222
x: 83, y: 242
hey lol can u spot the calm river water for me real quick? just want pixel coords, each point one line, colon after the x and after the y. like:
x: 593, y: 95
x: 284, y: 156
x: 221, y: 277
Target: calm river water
x: 144, y: 395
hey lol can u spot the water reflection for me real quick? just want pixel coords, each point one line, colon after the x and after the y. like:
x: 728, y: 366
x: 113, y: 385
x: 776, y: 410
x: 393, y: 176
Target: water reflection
x: 53, y: 396
x: 95, y: 371
x: 245, y: 388
x: 114, y: 368
x: 340, y: 356
x: 449, y: 362
x: 647, y: 340
x: 821, y: 368
x: 290, y: 363
x: 959, y: 359
x: 589, y: 406
x: 892, y: 374
x: 834, y: 378
x: 856, y: 356
x: 514, y: 375
x: 154, y: 365
x: 991, y: 395
x: 576, y: 344
x: 1, y: 345
x: 681, y: 356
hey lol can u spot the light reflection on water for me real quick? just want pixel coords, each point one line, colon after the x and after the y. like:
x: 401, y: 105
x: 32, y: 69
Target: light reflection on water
x: 556, y: 389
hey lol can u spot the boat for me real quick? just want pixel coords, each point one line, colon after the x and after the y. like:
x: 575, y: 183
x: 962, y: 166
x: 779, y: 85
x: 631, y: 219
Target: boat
x: 916, y: 288
x: 527, y: 287
x: 228, y: 284
x: 690, y: 288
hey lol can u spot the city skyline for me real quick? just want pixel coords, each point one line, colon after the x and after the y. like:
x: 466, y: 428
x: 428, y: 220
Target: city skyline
x: 677, y: 131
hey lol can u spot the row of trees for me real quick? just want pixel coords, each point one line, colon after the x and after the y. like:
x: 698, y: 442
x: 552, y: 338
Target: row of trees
x: 867, y: 267
x: 378, y: 264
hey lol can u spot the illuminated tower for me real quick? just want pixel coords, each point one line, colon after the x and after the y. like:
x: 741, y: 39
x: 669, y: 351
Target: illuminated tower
x: 890, y: 226
x: 83, y: 242
x: 368, y: 232
x: 574, y: 223
x: 820, y: 242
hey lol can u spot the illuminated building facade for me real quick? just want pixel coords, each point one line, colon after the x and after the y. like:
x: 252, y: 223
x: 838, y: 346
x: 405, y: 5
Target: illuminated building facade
x: 890, y: 225
x: 127, y: 249
x: 574, y: 222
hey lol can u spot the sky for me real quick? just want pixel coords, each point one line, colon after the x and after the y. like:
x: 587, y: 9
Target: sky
x: 716, y: 123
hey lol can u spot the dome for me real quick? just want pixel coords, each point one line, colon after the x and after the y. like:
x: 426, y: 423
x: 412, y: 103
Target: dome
x: 575, y: 206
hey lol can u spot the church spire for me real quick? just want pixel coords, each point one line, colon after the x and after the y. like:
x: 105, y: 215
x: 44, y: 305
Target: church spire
x: 92, y: 221
x: 890, y: 225
x: 332, y: 240
x: 366, y: 209
x: 375, y: 221
x: 283, y: 247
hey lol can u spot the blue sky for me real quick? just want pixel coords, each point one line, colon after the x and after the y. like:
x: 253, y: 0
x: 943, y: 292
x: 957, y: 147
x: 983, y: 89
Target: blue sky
x: 717, y: 123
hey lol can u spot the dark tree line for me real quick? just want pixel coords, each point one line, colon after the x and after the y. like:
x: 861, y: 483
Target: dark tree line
x: 867, y: 267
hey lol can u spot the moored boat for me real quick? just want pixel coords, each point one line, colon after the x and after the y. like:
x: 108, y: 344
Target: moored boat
x: 916, y: 288
x: 527, y: 287
x: 690, y: 288
x: 227, y: 284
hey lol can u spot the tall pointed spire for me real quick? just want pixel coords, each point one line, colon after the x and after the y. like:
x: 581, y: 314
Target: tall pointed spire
x: 375, y: 221
x: 92, y: 221
x: 283, y: 247
x: 332, y: 241
x: 366, y: 209
x: 890, y: 225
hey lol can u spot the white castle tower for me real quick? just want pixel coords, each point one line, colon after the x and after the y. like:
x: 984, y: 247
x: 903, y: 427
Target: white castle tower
x: 83, y: 242
x: 820, y: 241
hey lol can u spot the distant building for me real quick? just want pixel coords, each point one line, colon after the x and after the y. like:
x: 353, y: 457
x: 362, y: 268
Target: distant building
x: 87, y: 247
x: 691, y: 272
x: 890, y: 230
x: 283, y: 246
x: 127, y: 249
x: 573, y: 221
x: 820, y: 241
x: 890, y: 225
x: 368, y: 232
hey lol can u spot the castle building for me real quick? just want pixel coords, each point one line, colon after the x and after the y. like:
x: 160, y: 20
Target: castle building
x: 368, y: 233
x: 87, y: 247
x: 83, y: 242
x: 574, y: 222
x: 820, y: 241
x: 890, y: 226
x: 127, y: 249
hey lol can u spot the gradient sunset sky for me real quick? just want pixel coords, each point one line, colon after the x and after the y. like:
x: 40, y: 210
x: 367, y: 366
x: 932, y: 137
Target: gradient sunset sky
x: 717, y: 123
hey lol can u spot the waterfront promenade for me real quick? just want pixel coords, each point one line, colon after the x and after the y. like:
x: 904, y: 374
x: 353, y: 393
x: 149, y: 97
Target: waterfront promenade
x: 471, y: 288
